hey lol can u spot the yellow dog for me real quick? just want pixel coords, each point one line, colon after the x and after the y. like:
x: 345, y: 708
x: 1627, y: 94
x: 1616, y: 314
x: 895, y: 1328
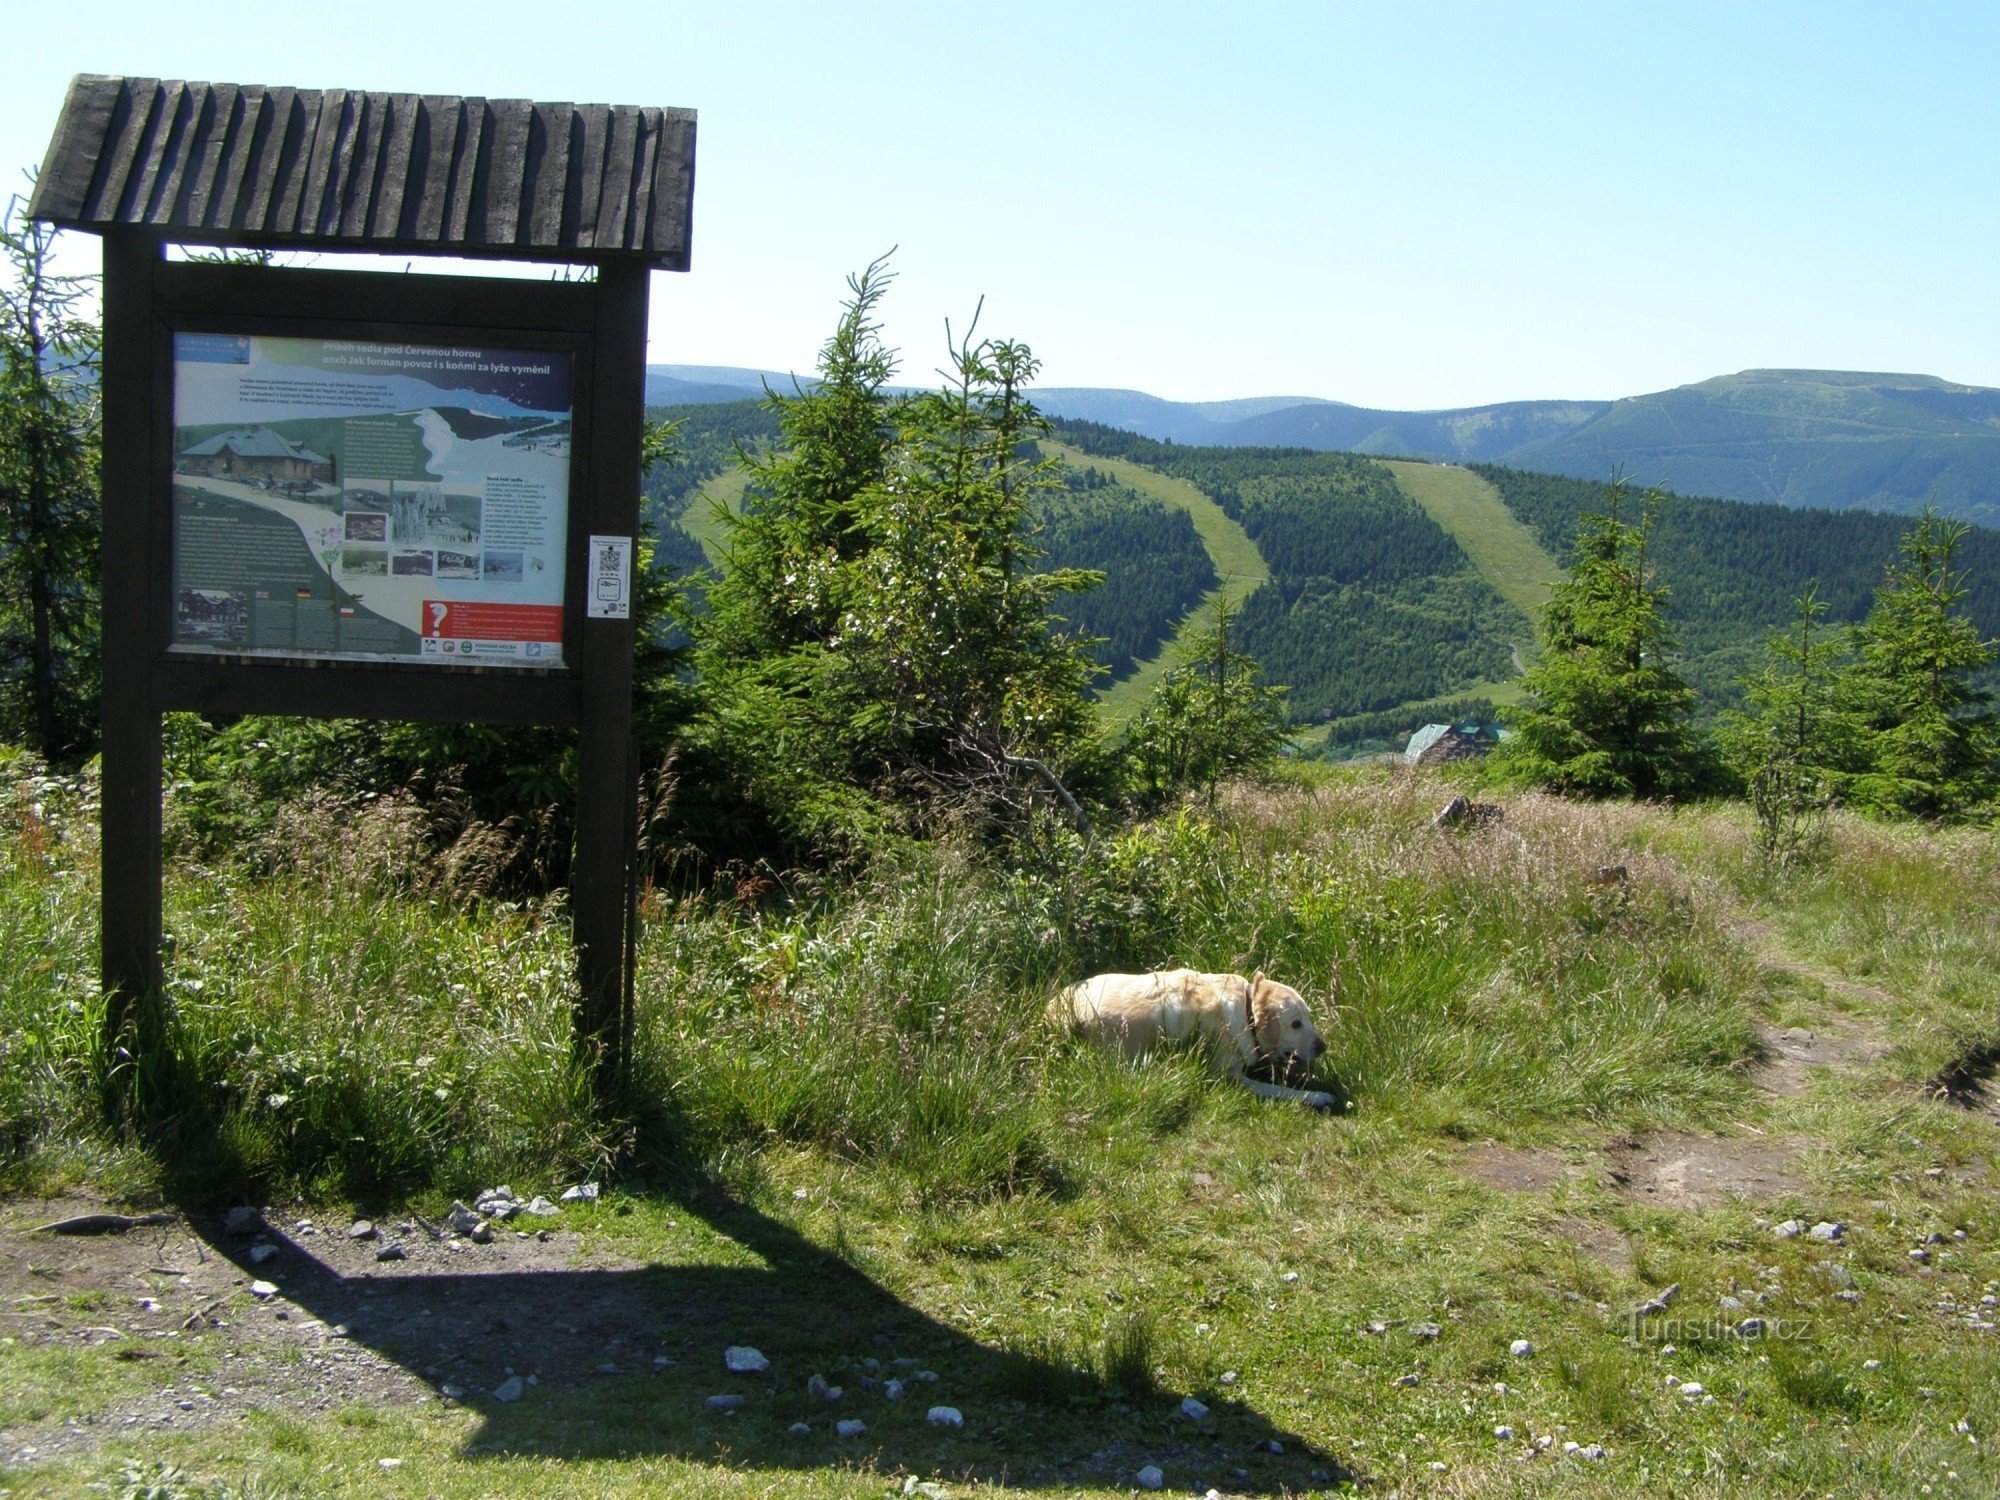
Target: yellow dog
x: 1242, y: 1022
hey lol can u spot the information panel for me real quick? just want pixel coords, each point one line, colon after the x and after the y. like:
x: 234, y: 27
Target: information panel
x: 334, y: 499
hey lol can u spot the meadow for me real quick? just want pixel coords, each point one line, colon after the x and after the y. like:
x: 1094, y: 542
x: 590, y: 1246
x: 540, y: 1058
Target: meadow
x: 1589, y: 1055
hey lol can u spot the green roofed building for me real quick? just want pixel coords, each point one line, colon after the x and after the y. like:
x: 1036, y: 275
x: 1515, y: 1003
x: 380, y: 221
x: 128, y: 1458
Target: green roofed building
x: 1438, y: 744
x: 256, y: 453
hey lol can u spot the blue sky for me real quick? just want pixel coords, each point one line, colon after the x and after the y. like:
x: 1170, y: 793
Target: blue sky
x: 1410, y: 205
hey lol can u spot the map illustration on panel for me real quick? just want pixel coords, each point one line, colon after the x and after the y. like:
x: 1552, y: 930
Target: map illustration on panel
x: 370, y: 501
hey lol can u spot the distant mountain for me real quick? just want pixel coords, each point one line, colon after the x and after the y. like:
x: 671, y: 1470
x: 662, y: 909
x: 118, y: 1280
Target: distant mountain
x: 1170, y: 421
x: 707, y: 385
x: 1816, y: 438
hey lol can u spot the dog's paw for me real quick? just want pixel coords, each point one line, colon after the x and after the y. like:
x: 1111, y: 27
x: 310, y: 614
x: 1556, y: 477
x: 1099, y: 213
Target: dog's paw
x: 1317, y: 1100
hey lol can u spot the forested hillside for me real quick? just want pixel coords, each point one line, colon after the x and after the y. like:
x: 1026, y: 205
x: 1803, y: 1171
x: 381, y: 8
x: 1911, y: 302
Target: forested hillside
x: 1155, y: 567
x: 707, y: 438
x: 1370, y: 602
x: 1732, y: 569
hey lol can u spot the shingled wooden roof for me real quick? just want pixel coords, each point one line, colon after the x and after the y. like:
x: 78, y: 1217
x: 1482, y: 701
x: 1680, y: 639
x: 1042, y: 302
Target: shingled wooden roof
x: 339, y: 169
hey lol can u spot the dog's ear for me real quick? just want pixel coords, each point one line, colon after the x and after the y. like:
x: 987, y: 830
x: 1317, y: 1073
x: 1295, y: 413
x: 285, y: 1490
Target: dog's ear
x: 1250, y: 1003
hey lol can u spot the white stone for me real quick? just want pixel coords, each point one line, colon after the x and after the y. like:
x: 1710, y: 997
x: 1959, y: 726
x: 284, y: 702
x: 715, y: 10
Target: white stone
x: 726, y: 1401
x: 388, y: 1463
x: 262, y: 1289
x: 1826, y: 1229
x: 1504, y: 1433
x: 583, y: 1192
x: 1194, y: 1410
x: 541, y: 1208
x: 741, y: 1359
x: 1150, y: 1478
x: 243, y: 1220
x: 1791, y: 1229
x: 261, y: 1253
x: 1871, y: 1364
x: 799, y: 1429
x: 1290, y: 1278
x: 852, y: 1427
x: 1693, y: 1388
x: 892, y: 1390
x: 1521, y: 1349
x: 509, y: 1389
x: 945, y: 1416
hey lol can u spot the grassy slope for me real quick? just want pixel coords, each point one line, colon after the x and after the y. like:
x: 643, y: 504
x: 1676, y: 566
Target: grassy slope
x: 1505, y: 551
x: 700, y: 520
x: 1075, y: 1246
x: 1237, y: 562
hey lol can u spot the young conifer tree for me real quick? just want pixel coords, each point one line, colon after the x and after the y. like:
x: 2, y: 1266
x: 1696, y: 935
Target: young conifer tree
x: 1797, y: 741
x: 881, y: 635
x: 1928, y: 733
x: 1212, y: 715
x: 48, y: 495
x: 1606, y: 714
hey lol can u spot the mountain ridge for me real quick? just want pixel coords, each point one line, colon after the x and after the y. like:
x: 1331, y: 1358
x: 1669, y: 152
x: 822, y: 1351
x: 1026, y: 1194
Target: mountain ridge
x: 1816, y: 439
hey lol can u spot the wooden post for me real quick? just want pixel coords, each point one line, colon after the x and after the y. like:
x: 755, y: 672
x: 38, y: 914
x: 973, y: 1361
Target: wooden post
x: 133, y: 403
x: 605, y: 789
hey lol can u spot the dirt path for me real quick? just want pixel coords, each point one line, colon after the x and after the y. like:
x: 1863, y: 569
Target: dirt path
x: 1792, y: 1053
x: 1699, y: 1170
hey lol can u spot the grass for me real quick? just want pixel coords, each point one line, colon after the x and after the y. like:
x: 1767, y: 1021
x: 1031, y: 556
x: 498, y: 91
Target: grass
x: 855, y: 1120
x: 1237, y: 561
x: 1503, y: 550
x: 701, y: 519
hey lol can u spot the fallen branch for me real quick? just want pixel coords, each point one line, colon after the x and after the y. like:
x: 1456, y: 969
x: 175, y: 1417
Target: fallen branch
x: 1029, y: 763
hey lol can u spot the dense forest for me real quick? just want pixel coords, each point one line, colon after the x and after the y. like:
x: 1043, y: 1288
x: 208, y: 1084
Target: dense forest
x: 1370, y: 602
x: 1732, y: 568
x: 1155, y: 567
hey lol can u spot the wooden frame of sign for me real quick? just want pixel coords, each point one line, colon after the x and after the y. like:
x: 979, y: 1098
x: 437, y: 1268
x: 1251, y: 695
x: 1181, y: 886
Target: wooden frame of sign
x: 149, y: 163
x: 601, y: 326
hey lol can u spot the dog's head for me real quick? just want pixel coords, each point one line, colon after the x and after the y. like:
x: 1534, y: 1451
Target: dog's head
x: 1282, y: 1026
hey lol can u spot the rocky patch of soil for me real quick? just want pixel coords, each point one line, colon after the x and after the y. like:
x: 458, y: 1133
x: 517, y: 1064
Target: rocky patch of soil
x: 1687, y: 1170
x: 314, y: 1320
